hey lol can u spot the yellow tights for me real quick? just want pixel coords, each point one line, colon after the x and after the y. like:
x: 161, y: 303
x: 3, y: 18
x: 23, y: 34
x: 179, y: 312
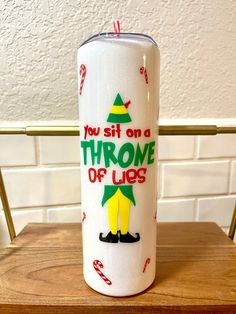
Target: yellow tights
x: 119, y: 202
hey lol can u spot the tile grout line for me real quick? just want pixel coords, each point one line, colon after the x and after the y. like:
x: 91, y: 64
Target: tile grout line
x: 230, y: 178
x: 196, y: 161
x: 38, y: 207
x: 37, y: 149
x: 176, y: 197
x: 196, y: 147
x: 160, y: 182
x: 204, y: 196
x: 196, y: 211
x: 45, y: 218
x: 40, y: 166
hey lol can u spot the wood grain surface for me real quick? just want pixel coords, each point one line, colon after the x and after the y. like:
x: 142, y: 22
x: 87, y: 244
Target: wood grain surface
x: 41, y: 272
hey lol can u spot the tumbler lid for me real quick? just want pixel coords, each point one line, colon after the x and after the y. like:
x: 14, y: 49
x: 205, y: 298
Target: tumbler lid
x: 117, y: 36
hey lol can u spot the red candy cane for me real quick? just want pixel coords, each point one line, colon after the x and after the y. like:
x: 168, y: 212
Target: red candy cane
x: 82, y: 72
x: 143, y: 70
x: 148, y: 260
x: 84, y: 216
x: 96, y: 265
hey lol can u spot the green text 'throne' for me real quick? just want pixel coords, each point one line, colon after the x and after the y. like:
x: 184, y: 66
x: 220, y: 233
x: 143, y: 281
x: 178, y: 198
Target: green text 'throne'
x: 95, y: 152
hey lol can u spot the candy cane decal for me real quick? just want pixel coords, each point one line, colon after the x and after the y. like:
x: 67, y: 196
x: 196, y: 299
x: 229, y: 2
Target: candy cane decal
x: 82, y: 72
x: 148, y: 260
x: 143, y: 70
x: 84, y: 216
x: 96, y: 265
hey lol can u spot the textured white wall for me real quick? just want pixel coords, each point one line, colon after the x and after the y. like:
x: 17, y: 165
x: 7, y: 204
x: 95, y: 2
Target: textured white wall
x: 39, y: 39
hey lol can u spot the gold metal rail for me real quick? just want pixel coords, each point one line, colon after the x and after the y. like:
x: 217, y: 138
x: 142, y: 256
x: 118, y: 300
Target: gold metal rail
x: 6, y: 208
x: 232, y: 225
x: 75, y: 130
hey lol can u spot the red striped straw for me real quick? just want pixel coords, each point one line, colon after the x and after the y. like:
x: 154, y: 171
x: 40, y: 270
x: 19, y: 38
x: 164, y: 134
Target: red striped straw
x: 116, y: 26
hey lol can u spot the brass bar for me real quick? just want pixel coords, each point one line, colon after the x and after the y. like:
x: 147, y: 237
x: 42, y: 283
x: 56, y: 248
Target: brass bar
x: 163, y: 130
x: 6, y: 208
x: 13, y: 130
x: 52, y: 130
x: 188, y: 130
x: 226, y: 130
x: 232, y: 225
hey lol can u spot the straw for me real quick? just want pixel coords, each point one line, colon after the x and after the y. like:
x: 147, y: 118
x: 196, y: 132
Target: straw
x: 116, y: 26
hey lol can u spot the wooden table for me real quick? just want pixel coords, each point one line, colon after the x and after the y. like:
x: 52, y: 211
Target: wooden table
x: 41, y: 272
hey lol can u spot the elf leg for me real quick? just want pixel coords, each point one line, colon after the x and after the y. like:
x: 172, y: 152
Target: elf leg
x: 124, y: 203
x: 113, y: 213
x: 124, y: 206
x: 112, y: 236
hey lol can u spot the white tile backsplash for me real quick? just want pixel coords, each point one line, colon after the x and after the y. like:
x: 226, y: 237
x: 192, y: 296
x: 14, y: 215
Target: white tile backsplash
x: 59, y: 149
x: 190, y: 188
x: 42, y: 186
x: 16, y: 150
x: 176, y: 147
x: 175, y: 210
x: 66, y: 214
x: 217, y: 209
x: 233, y: 178
x: 22, y: 217
x: 222, y: 145
x: 195, y: 178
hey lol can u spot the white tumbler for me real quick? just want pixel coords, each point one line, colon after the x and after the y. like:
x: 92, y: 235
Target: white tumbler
x: 118, y: 113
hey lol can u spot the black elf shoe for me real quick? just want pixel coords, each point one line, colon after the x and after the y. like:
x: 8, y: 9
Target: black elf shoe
x: 110, y: 238
x: 128, y: 238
